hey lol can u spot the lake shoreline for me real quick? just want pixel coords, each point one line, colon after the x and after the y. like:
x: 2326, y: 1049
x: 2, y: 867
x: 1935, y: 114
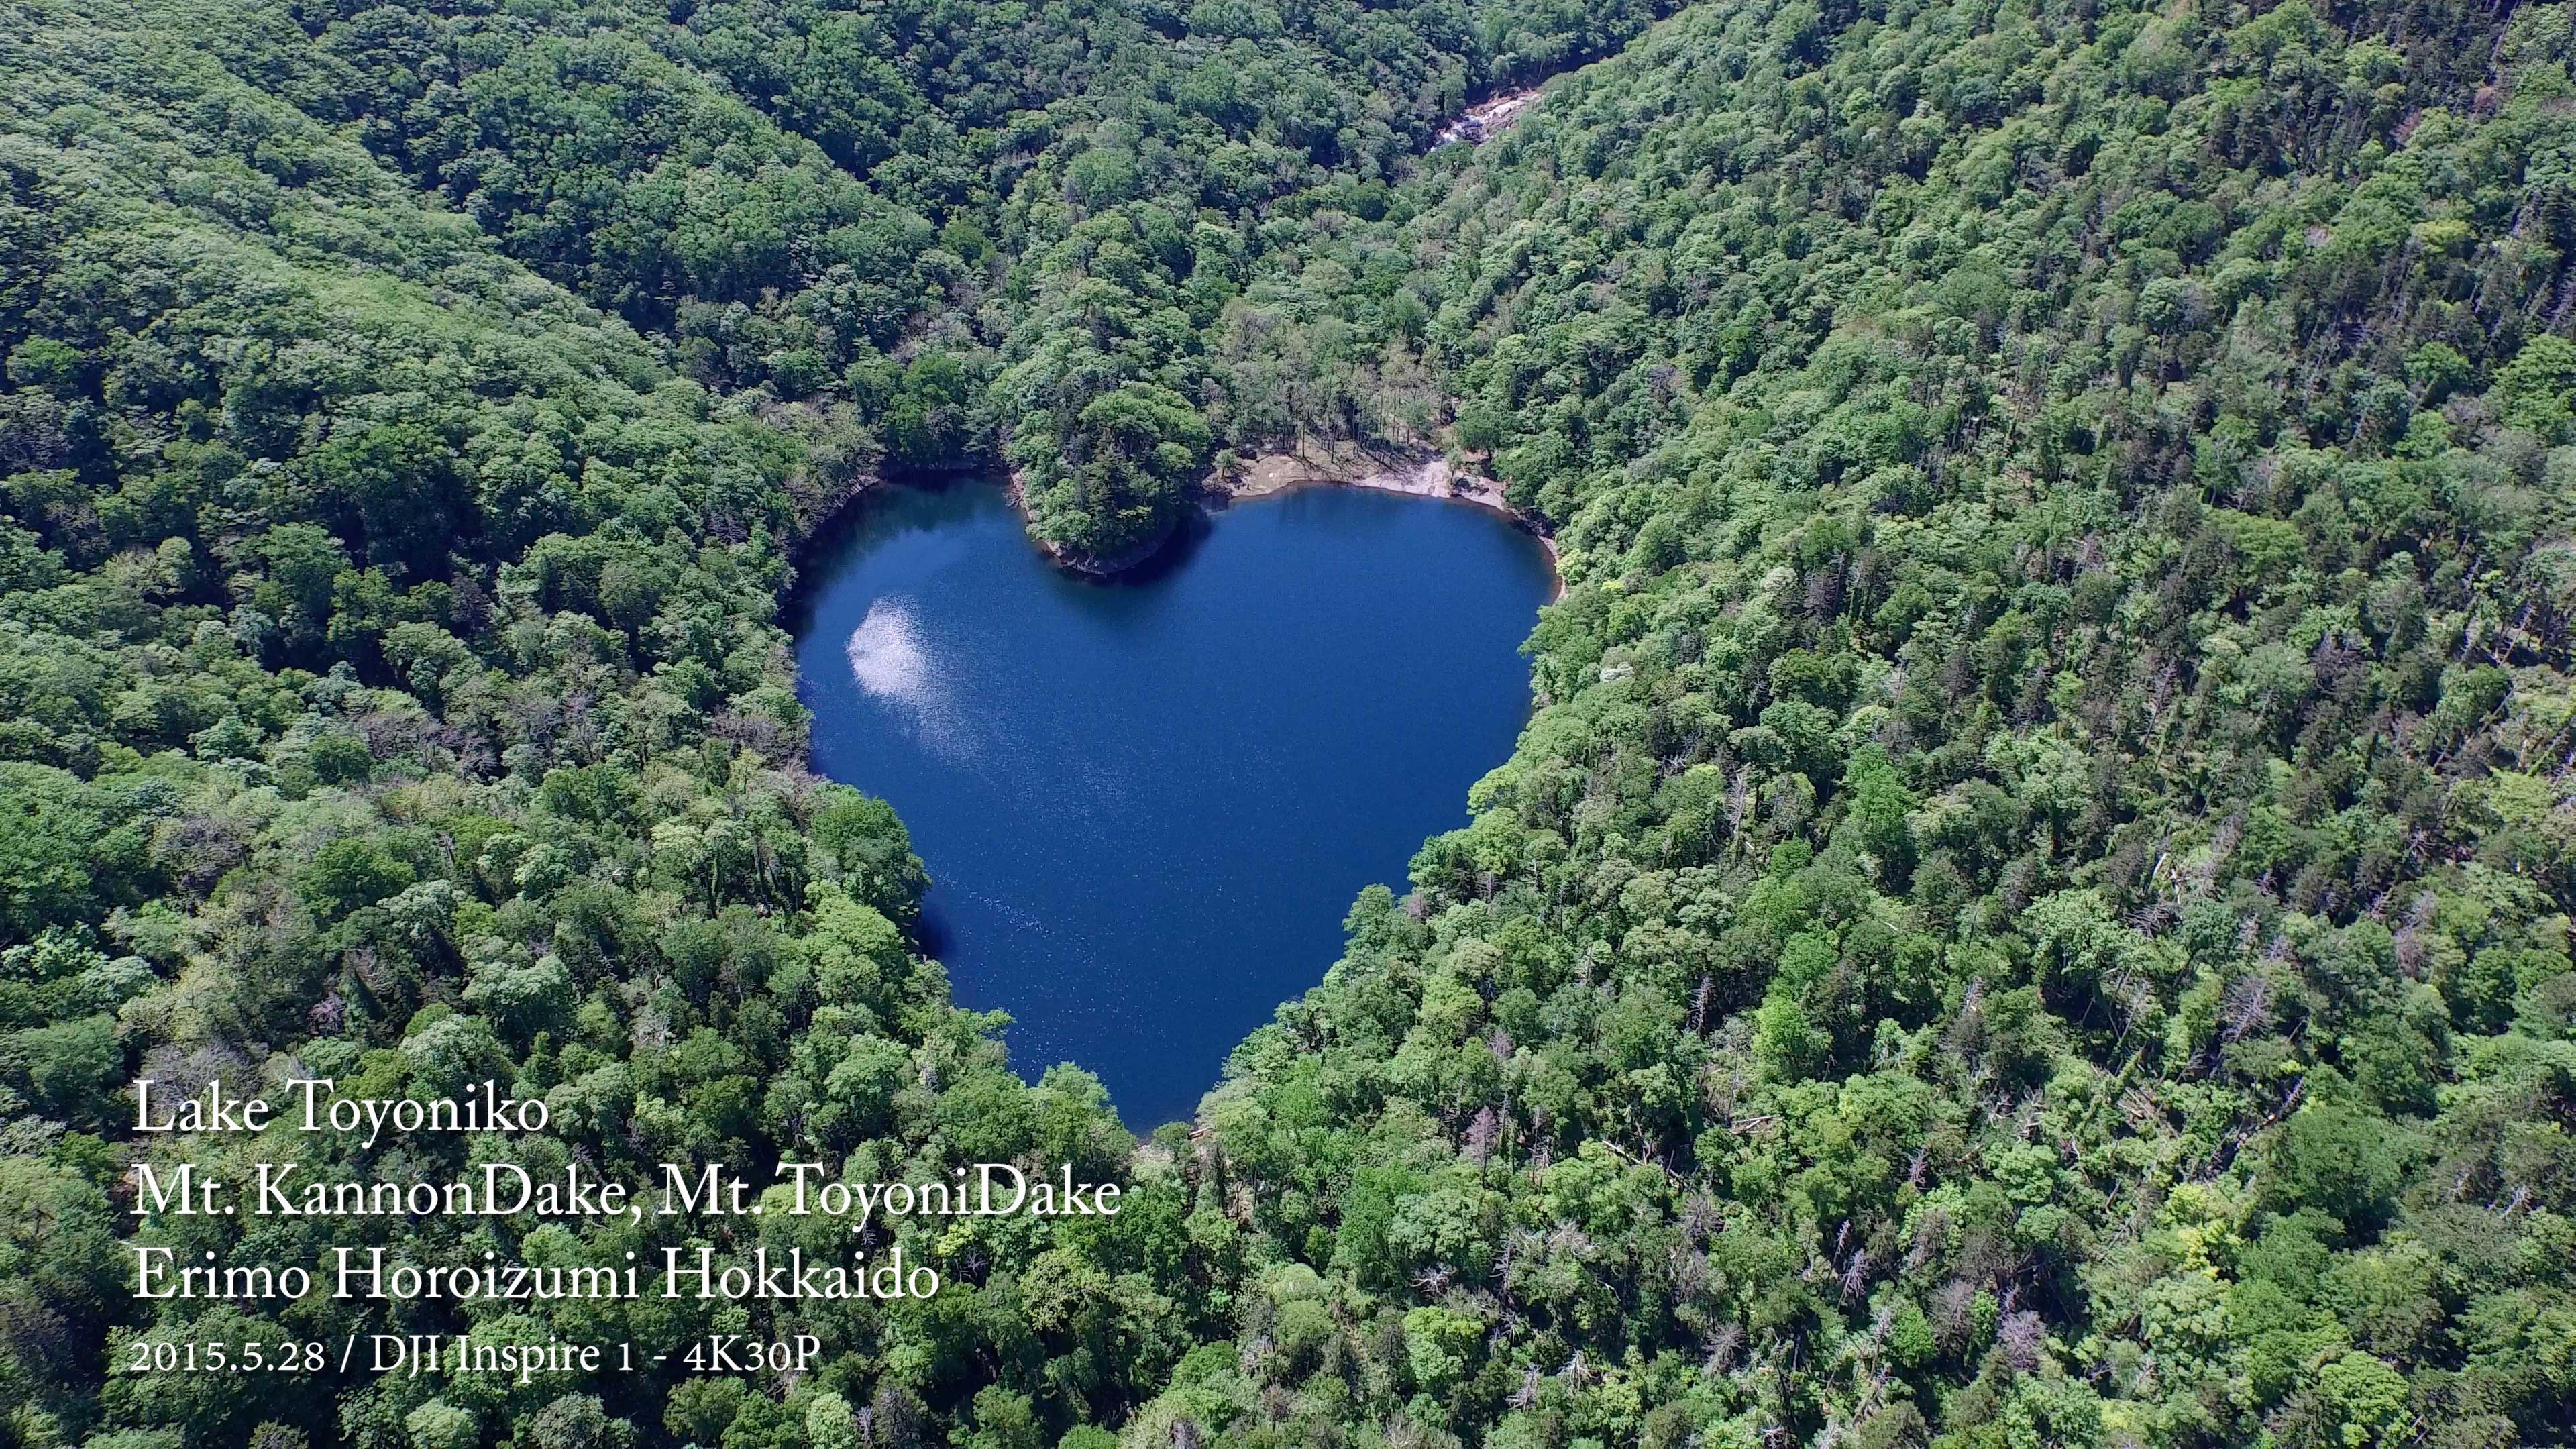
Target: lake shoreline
x: 1417, y: 475
x: 1015, y: 486
x: 1422, y: 477
x: 1202, y: 761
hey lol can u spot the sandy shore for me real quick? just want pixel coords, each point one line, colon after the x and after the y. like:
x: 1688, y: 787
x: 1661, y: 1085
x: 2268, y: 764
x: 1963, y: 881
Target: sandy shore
x: 1342, y: 466
x: 1352, y: 468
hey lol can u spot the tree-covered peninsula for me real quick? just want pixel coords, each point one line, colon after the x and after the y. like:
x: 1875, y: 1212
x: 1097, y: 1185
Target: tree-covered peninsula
x: 2033, y: 909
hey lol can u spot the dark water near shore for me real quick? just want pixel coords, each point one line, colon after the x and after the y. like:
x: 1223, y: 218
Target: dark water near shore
x: 1147, y: 804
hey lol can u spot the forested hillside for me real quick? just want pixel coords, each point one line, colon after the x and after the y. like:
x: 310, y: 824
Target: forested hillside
x: 949, y: 231
x: 391, y: 697
x: 2034, y: 908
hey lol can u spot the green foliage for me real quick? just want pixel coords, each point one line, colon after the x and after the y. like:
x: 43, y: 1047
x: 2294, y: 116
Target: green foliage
x: 2060, y: 511
x: 2033, y: 909
x: 806, y: 199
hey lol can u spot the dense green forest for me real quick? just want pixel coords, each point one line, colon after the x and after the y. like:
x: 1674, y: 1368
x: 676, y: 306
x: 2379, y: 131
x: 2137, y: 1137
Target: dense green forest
x: 2034, y: 908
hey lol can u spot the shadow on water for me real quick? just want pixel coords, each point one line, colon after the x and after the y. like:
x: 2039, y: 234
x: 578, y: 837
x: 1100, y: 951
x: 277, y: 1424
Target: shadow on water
x: 931, y: 932
x: 1187, y: 539
x: 919, y: 502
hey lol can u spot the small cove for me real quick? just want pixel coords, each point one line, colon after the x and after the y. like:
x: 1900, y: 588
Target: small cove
x: 1147, y: 803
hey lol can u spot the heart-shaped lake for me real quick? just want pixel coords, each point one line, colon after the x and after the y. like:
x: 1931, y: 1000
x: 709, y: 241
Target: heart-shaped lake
x: 1146, y: 804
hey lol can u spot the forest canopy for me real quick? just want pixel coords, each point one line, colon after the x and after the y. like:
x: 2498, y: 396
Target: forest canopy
x: 2033, y: 909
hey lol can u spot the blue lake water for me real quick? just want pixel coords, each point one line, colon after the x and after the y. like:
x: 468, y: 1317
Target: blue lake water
x: 1146, y: 804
